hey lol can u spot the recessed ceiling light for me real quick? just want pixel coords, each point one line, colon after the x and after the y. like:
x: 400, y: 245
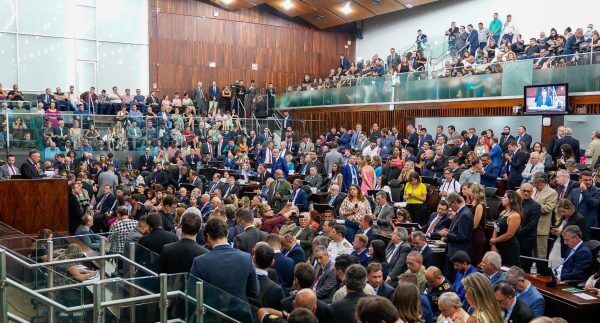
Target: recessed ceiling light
x: 409, y: 6
x: 227, y: 2
x: 376, y: 2
x: 346, y: 9
x: 287, y: 4
x: 319, y: 17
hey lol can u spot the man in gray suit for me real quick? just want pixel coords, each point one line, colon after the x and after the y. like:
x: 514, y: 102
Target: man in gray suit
x: 333, y: 157
x: 396, y: 253
x: 325, y: 283
x: 246, y: 240
x: 306, y: 146
x: 314, y: 179
x: 9, y: 169
x: 199, y: 98
x: 108, y: 178
x: 384, y: 212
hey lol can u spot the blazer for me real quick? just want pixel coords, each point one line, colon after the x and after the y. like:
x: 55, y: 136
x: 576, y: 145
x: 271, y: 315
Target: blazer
x: 214, y: 93
x: 347, y: 176
x: 337, y: 202
x: 504, y: 140
x: 314, y: 181
x: 429, y: 258
x: 333, y: 157
x: 299, y: 198
x: 296, y: 254
x: 5, y: 172
x: 157, y: 239
x: 106, y: 205
x: 588, y: 207
x: 344, y: 140
x: 460, y: 232
x: 235, y: 190
x: 577, y: 266
x: 322, y: 313
x: 571, y: 185
x: 534, y: 299
x: 384, y: 215
x: 578, y: 220
x: 75, y: 213
x: 177, y: 257
x: 287, y: 122
x: 280, y: 163
x: 521, y: 313
x: 371, y: 234
x: 574, y: 143
x: 413, y: 141
x: 527, y: 232
x: 218, y: 266
x: 343, y: 311
x: 146, y: 163
x: 526, y: 139
x: 327, y: 284
x: 29, y: 171
x: 516, y: 167
x: 398, y: 261
x: 443, y: 223
x: 547, y: 199
x: 385, y: 290
x: 496, y: 156
x: 246, y: 240
x: 284, y: 266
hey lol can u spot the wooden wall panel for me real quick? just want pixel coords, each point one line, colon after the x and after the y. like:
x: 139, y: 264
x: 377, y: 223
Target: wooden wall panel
x: 185, y: 37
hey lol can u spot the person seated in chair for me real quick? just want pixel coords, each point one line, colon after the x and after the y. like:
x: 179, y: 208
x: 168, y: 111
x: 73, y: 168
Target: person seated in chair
x: 578, y: 261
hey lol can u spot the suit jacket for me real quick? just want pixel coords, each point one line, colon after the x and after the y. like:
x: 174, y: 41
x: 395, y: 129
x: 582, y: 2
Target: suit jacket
x: 496, y: 156
x: 299, y: 198
x: 280, y: 163
x: 460, y: 232
x: 284, y: 266
x: 504, y: 140
x: 498, y: 278
x: 384, y: 215
x: 214, y: 93
x: 521, y: 313
x: 284, y: 189
x: 337, y: 202
x: 429, y: 258
x: 371, y: 234
x: 588, y: 207
x: 527, y: 232
x: 385, y: 290
x: 218, y: 266
x: 333, y: 157
x: 574, y: 143
x: 398, y: 260
x: 305, y: 237
x: 577, y: 265
x: 75, y: 213
x: 526, y: 139
x: 443, y: 223
x: 29, y: 171
x: 547, y: 199
x: 107, y: 178
x: 5, y: 172
x: 436, y: 166
x: 322, y: 313
x: 246, y: 240
x: 517, y: 165
x: 106, y: 205
x: 157, y: 239
x: 296, y: 254
x: 347, y: 176
x: 344, y: 140
x: 343, y: 311
x: 571, y: 185
x: 287, y: 122
x: 235, y: 190
x: 146, y: 163
x: 534, y: 299
x: 177, y: 257
x: 314, y: 181
x: 305, y: 147
x: 578, y: 220
x: 413, y: 141
x: 327, y: 284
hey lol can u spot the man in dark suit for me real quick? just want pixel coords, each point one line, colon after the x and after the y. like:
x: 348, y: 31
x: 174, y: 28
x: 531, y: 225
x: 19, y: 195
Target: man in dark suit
x: 565, y: 185
x: 396, y: 253
x: 355, y: 279
x: 177, y: 257
x: 299, y: 197
x: 419, y: 241
x: 291, y: 248
x: 578, y: 259
x: 157, y: 238
x: 490, y: 171
x: 515, y: 164
x: 412, y: 139
x: 458, y: 235
x: 350, y: 174
x: 246, y: 240
x: 384, y: 212
x: 335, y: 198
x: 437, y: 221
x: 524, y: 137
x: 375, y: 279
x: 146, y: 161
x: 505, y: 137
x: 103, y: 208
x: 513, y: 309
x: 314, y: 179
x: 344, y: 62
x: 567, y: 139
x: 271, y: 293
x: 325, y: 283
x: 436, y: 164
x: 283, y: 265
x: 262, y: 174
x: 221, y: 265
x: 530, y: 216
x: 366, y: 227
x: 231, y: 188
x: 75, y: 211
x: 287, y: 121
x: 586, y: 198
x: 30, y: 169
x: 304, y: 234
x: 304, y: 276
x: 279, y: 192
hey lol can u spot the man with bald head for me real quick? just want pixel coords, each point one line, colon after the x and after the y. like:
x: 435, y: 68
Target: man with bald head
x: 305, y: 298
x: 436, y: 285
x: 530, y: 216
x: 279, y: 192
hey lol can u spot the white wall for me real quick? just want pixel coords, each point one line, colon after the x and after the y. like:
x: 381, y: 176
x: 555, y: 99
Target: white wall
x: 583, y: 126
x: 532, y: 123
x: 399, y: 29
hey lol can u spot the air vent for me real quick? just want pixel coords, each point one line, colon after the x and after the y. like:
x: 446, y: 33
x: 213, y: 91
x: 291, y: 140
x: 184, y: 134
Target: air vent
x: 319, y: 17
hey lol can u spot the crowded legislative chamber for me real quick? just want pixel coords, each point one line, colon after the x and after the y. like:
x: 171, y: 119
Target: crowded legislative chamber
x: 307, y: 161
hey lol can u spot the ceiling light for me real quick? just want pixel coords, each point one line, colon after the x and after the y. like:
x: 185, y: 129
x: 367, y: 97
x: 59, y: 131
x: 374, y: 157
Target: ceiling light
x: 227, y: 2
x: 287, y: 4
x: 319, y: 17
x: 409, y: 6
x: 346, y: 9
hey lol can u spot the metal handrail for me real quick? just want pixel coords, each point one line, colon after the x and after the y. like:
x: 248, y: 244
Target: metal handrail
x: 15, y: 318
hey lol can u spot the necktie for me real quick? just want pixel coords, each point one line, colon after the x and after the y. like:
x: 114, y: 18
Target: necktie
x: 317, y: 277
x: 213, y: 187
x: 304, y: 169
x: 228, y: 190
x: 354, y: 175
x: 562, y: 192
x: 295, y: 196
x: 331, y: 199
x: 432, y: 225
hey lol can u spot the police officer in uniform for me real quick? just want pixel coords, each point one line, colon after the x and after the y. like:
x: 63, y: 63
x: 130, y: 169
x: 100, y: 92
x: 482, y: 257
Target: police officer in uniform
x: 437, y: 284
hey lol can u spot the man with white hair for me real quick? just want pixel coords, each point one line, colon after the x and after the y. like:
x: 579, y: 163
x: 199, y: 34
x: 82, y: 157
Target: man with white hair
x: 547, y: 198
x: 533, y: 166
x: 490, y: 265
x: 450, y: 305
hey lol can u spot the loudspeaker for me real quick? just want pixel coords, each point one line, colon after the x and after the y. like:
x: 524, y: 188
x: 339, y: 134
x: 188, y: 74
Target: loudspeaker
x: 358, y: 33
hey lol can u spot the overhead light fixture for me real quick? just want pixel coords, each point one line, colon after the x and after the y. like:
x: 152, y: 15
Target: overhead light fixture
x: 409, y: 6
x: 346, y: 9
x: 319, y: 17
x: 227, y: 2
x: 287, y: 4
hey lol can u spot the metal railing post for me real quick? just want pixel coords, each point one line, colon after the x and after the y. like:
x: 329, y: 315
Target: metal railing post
x: 200, y: 302
x: 163, y: 301
x: 98, y: 313
x: 3, y: 288
x: 50, y: 254
x: 102, y: 263
x: 131, y: 274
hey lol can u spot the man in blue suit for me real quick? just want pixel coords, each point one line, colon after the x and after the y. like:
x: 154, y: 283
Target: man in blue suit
x: 345, y: 138
x: 356, y: 136
x: 491, y: 264
x: 292, y: 248
x: 586, y: 198
x: 458, y: 236
x: 271, y: 293
x: 299, y: 196
x: 523, y: 136
x: 424, y: 136
x: 490, y: 171
x: 419, y: 242
x: 526, y: 292
x: 473, y: 39
x: 282, y: 264
x: 344, y: 62
x: 218, y: 266
x: 515, y: 164
x: 578, y: 261
x: 279, y: 163
x: 350, y: 174
x: 437, y: 221
x: 375, y: 279
x: 496, y: 153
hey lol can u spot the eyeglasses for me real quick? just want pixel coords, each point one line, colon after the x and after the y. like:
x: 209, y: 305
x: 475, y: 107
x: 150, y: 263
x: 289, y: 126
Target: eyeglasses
x: 526, y: 191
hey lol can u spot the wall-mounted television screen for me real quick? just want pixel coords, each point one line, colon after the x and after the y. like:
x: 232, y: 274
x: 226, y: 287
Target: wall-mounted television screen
x: 546, y: 99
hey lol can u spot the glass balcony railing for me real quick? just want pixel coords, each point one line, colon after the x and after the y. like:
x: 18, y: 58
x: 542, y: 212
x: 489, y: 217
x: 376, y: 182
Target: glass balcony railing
x: 581, y: 71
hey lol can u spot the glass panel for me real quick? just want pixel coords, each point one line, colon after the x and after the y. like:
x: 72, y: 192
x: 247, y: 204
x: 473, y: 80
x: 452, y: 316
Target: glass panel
x: 46, y: 17
x: 123, y: 65
x: 515, y: 76
x: 52, y: 56
x: 86, y: 75
x: 8, y: 15
x: 114, y: 27
x: 85, y: 22
x: 86, y: 50
x: 91, y: 3
x: 8, y: 57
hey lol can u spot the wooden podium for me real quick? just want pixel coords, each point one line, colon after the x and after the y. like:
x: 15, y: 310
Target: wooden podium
x: 29, y: 205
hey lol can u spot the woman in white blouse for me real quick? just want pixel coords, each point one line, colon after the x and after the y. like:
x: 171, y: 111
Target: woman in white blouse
x: 449, y: 184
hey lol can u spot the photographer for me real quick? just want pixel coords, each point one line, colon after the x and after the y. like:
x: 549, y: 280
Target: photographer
x: 271, y: 222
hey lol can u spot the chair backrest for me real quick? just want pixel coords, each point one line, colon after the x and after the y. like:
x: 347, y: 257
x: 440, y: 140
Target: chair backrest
x: 394, y: 183
x: 397, y: 193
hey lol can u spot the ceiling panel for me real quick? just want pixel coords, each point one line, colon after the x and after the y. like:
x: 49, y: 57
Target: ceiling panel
x: 323, y: 19
x: 237, y: 4
x: 351, y: 12
x: 321, y: 3
x: 380, y: 7
x: 296, y: 8
x: 409, y: 3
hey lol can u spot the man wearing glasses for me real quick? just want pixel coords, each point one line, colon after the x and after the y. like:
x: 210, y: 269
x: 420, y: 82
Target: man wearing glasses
x: 586, y: 199
x: 527, y: 233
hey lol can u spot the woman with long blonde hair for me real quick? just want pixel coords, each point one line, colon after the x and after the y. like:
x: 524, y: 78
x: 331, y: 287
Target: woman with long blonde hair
x: 481, y: 297
x: 478, y: 209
